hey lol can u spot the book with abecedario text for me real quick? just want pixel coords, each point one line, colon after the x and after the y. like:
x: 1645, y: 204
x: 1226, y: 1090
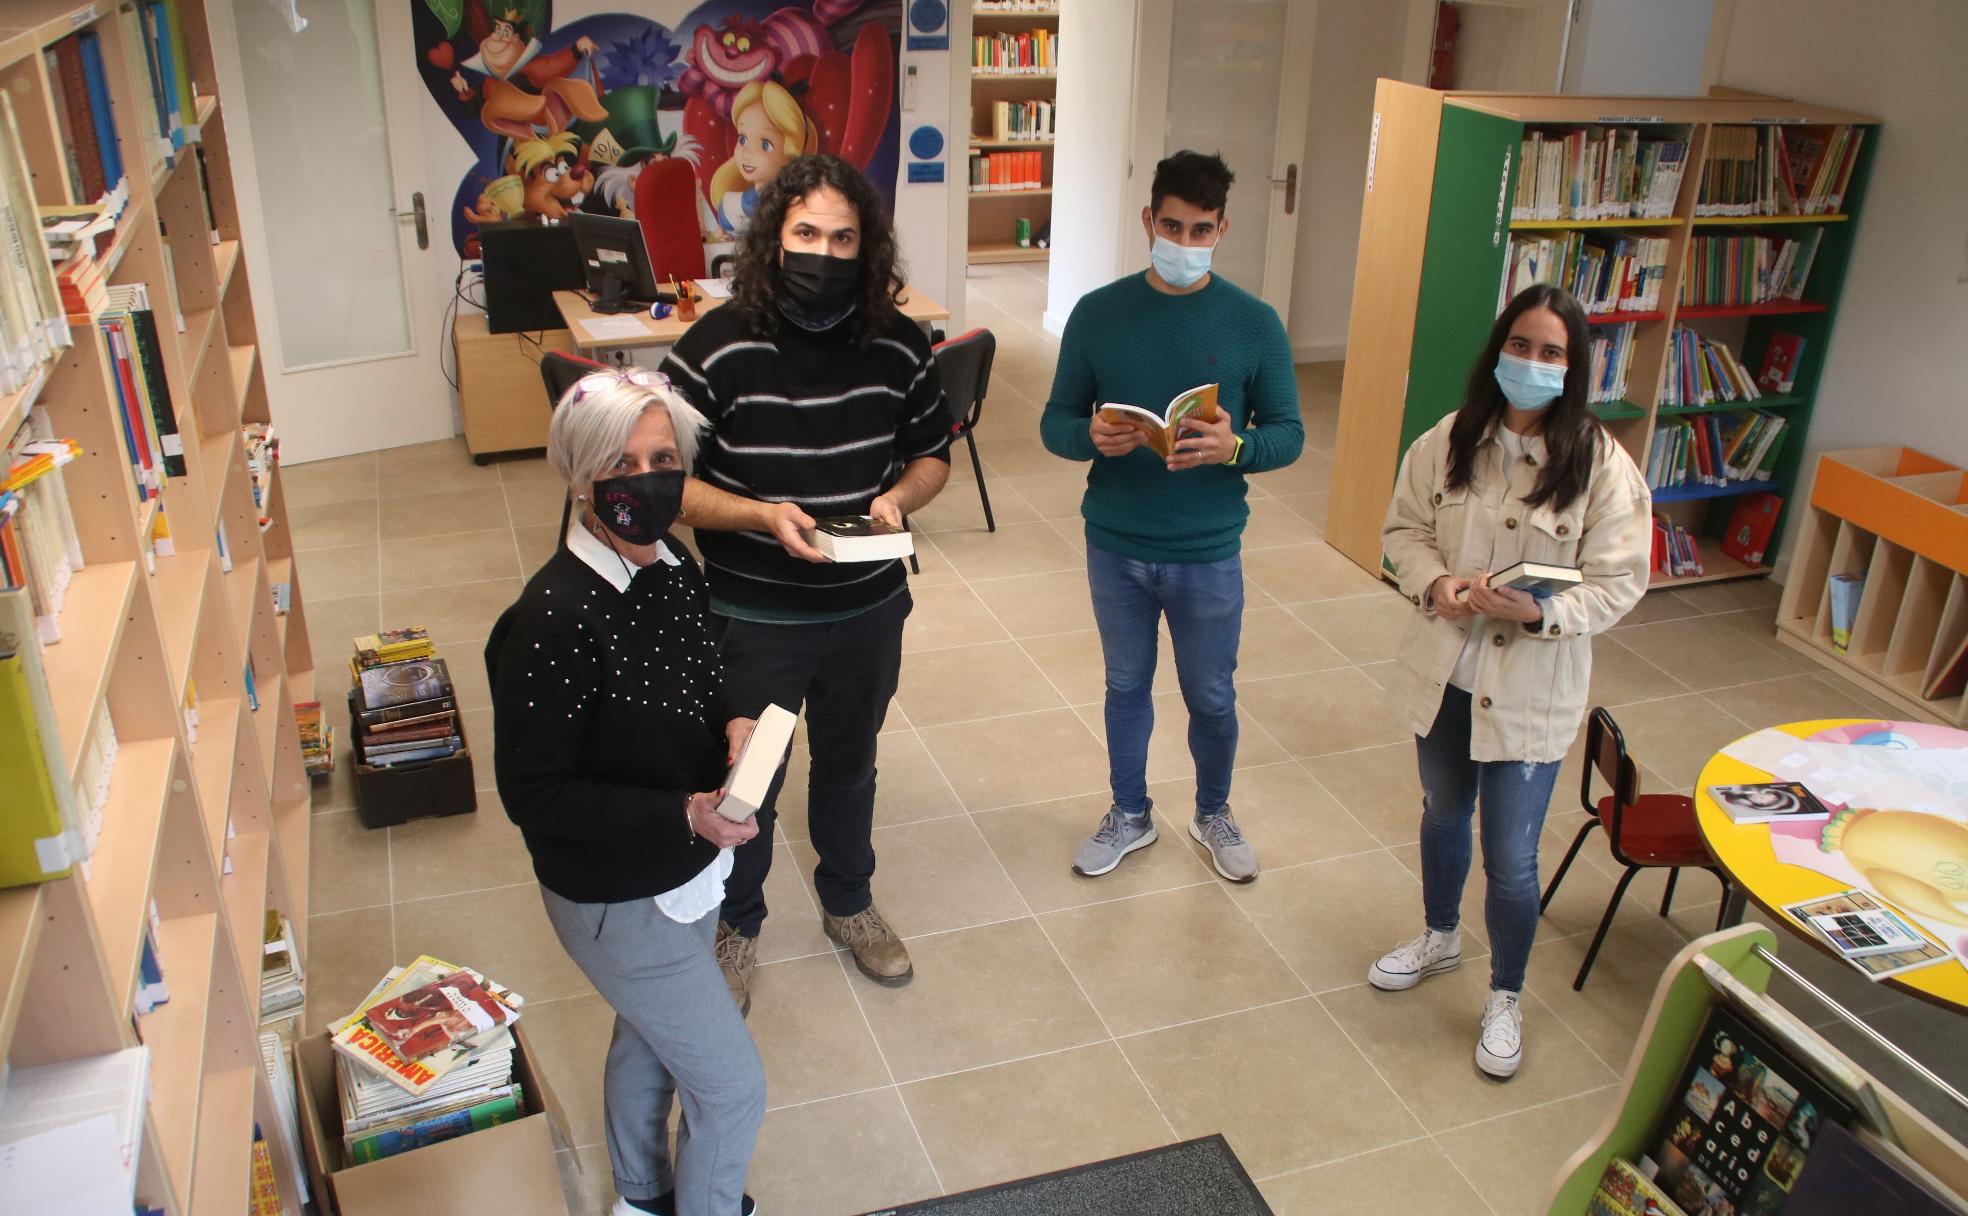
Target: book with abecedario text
x: 859, y: 538
x: 1160, y: 431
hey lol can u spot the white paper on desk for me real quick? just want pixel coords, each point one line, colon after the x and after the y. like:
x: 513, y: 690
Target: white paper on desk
x: 1841, y: 774
x: 716, y: 289
x: 76, y: 1170
x: 606, y: 328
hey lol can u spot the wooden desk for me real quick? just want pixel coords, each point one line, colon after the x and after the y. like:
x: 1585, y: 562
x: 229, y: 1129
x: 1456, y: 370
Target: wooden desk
x: 576, y: 313
x: 500, y: 393
x: 1746, y: 853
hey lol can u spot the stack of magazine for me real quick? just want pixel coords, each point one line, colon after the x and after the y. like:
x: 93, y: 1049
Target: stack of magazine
x: 427, y: 1056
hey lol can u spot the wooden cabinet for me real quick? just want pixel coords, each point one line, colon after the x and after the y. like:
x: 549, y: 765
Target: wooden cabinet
x: 500, y: 393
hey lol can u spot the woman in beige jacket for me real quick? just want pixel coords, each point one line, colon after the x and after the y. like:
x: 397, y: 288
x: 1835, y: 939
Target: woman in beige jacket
x: 1491, y: 680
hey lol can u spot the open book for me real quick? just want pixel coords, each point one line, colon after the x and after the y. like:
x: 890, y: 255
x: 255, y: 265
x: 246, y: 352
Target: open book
x: 1160, y: 431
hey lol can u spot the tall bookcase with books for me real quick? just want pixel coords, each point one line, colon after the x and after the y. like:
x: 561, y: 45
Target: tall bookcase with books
x: 168, y: 649
x: 1014, y: 78
x: 1709, y: 238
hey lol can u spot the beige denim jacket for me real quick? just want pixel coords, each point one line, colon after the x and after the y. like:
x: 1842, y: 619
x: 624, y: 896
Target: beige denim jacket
x: 1531, y: 679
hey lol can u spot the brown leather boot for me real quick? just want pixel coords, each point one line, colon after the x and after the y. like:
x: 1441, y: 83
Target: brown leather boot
x: 736, y: 955
x: 877, y: 951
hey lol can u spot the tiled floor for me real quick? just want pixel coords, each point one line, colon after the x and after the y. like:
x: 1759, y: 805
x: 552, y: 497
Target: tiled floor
x: 1056, y: 1020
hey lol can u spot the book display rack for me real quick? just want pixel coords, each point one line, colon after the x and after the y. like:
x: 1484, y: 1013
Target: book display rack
x: 1014, y: 79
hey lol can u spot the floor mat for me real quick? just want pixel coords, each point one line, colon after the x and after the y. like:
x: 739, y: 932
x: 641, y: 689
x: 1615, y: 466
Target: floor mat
x: 1187, y: 1179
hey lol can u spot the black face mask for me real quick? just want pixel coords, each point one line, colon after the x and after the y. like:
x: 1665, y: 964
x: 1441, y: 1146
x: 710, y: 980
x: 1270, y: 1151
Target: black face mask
x: 641, y: 508
x: 819, y: 289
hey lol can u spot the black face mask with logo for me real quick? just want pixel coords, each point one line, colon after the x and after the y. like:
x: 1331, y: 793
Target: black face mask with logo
x: 639, y: 509
x: 817, y: 290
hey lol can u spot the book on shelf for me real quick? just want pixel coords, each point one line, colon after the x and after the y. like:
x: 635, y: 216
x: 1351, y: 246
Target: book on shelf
x: 1845, y: 591
x: 1675, y: 551
x: 745, y: 786
x: 278, y: 1064
x: 1776, y: 170
x: 1703, y: 372
x: 1009, y: 53
x: 281, y: 977
x: 317, y: 739
x: 1608, y: 272
x: 1716, y: 449
x: 46, y: 831
x: 996, y: 171
x: 251, y: 683
x: 82, y: 115
x: 151, y: 991
x: 1625, y: 1191
x: 1740, y: 269
x: 859, y: 538
x: 71, y: 1133
x: 1160, y: 431
x: 1014, y: 120
x: 1856, y: 1171
x: 1751, y: 525
x: 262, y: 453
x: 33, y: 323
x: 1612, y: 361
x: 263, y: 1197
x: 40, y: 548
x: 1599, y: 174
x: 1779, y: 374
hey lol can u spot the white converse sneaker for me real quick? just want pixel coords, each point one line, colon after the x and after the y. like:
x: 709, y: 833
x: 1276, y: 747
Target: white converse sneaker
x: 1407, y: 965
x: 1500, y: 1049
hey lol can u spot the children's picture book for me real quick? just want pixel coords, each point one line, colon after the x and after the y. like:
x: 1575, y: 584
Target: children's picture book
x: 1846, y: 589
x: 859, y: 538
x: 1750, y: 527
x: 1625, y: 1191
x: 1868, y: 933
x: 1770, y: 802
x: 1741, y: 1125
x: 1160, y: 431
x: 1779, y: 374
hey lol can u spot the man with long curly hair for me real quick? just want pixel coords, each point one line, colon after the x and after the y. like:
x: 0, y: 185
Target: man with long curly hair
x: 823, y: 400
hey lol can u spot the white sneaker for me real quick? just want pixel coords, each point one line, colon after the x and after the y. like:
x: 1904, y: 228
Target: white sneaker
x: 1407, y: 965
x: 1500, y: 1049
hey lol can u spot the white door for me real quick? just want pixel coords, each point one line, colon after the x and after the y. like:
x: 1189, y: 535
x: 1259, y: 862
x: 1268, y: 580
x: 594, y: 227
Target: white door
x: 1235, y: 78
x: 347, y: 275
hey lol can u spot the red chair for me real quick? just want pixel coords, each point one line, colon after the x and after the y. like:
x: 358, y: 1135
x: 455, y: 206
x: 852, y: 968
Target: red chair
x: 1645, y: 831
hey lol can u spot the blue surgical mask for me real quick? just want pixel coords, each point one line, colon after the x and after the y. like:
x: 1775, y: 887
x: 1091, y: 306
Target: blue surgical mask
x: 1527, y: 384
x: 1180, y: 265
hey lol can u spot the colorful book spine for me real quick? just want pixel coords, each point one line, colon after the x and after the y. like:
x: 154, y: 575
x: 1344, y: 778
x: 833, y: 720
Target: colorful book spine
x: 389, y: 1142
x: 100, y: 113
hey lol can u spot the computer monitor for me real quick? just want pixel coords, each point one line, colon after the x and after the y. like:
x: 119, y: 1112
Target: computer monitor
x: 616, y: 262
x: 525, y: 263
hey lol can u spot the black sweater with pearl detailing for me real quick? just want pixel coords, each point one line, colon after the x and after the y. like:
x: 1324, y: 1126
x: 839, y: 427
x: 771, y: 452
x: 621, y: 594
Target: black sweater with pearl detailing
x: 608, y: 712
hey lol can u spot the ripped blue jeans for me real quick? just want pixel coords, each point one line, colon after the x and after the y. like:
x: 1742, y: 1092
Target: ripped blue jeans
x: 1514, y: 796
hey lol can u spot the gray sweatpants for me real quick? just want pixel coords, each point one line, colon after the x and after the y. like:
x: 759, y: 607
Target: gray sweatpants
x: 677, y: 1031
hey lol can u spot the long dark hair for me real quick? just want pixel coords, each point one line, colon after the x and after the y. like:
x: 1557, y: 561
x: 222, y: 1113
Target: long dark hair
x: 1570, y: 430
x: 755, y: 283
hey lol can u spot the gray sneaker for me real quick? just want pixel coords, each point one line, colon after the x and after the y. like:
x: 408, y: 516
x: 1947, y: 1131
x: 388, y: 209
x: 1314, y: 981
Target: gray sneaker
x: 1229, y: 852
x: 1118, y: 835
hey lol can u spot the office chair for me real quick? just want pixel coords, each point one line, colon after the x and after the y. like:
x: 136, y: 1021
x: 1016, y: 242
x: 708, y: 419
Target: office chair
x: 559, y: 369
x: 964, y: 363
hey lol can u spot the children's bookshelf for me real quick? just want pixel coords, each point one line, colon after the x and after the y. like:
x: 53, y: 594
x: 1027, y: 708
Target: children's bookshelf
x: 1443, y: 216
x: 1014, y: 79
x: 205, y: 826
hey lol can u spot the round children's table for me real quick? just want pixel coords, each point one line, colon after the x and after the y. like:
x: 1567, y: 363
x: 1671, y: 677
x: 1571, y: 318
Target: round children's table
x: 1748, y: 855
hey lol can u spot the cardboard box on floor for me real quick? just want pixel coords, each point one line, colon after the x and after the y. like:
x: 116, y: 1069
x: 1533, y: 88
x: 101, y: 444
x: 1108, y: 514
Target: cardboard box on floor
x: 509, y: 1168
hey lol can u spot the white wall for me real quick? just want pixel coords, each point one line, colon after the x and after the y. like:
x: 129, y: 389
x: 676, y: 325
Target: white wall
x: 1354, y: 43
x: 1899, y: 350
x: 1650, y: 47
x: 1090, y: 189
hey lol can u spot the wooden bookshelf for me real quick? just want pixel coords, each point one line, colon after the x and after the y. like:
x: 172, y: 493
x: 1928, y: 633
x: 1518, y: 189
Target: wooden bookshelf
x: 140, y: 629
x: 1434, y: 247
x: 993, y: 215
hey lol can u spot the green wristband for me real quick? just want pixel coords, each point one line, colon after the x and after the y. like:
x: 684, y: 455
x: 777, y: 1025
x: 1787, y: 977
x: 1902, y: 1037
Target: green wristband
x: 1236, y: 453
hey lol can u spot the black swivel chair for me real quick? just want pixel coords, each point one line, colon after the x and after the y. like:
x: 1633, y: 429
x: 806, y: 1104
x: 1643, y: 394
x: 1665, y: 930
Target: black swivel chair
x: 559, y: 369
x: 964, y: 363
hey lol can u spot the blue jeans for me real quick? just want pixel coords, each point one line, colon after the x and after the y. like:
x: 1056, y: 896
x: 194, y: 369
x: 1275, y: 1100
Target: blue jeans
x: 1204, y: 602
x: 1514, y: 796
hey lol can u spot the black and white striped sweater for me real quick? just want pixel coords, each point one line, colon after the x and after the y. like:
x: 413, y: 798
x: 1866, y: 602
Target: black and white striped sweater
x: 812, y: 419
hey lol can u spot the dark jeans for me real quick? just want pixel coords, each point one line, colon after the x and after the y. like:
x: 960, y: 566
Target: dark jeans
x: 844, y: 672
x: 1514, y: 796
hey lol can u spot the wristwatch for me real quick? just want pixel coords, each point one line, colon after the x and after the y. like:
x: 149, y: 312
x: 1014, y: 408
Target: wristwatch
x: 1236, y: 453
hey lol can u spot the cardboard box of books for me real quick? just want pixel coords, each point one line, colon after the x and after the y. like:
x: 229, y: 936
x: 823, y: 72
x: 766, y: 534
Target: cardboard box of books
x: 507, y: 1165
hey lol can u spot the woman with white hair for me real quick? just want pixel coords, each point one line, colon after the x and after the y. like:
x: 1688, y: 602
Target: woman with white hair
x: 613, y: 735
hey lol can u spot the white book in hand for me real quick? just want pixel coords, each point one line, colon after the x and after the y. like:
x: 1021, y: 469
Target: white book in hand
x: 746, y: 785
x: 859, y: 538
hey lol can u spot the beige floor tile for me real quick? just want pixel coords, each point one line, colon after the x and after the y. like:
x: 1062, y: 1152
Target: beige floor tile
x: 948, y: 616
x: 1323, y: 713
x: 418, y: 515
x: 348, y: 864
x: 460, y: 612
x: 336, y: 791
x: 1659, y: 606
x: 334, y: 624
x: 980, y: 996
x: 1733, y: 597
x: 466, y: 557
x: 1309, y: 507
x: 1071, y: 1108
x: 469, y: 681
x: 502, y: 932
x: 1072, y: 531
x: 1277, y: 642
x: 528, y: 467
x: 343, y: 479
x: 1675, y: 737
x: 1330, y: 920
x: 1014, y: 549
x: 536, y: 545
x: 1121, y: 953
x: 810, y: 1033
x: 959, y: 509
x: 932, y: 569
x: 1266, y: 1079
x: 935, y: 876
x: 1309, y: 474
x: 1424, y: 1041
x: 571, y: 1036
x: 535, y: 504
x: 1366, y: 629
x: 347, y: 953
x: 476, y: 725
x: 1054, y: 494
x: 965, y: 683
x: 586, y: 1181
x: 1168, y: 744
x: 1076, y: 666
x: 334, y: 573
x: 1379, y: 786
x: 1285, y: 814
x: 908, y: 786
x: 1514, y: 1160
x: 1030, y: 605
x: 1297, y: 574
x: 333, y: 525
x: 1036, y: 845
x: 1022, y: 455
x: 441, y: 468
x: 1413, y: 1177
x: 1608, y: 1013
x: 1273, y: 524
x: 840, y: 1157
x: 454, y: 853
x: 792, y: 924
x: 1709, y: 652
x: 1621, y: 677
x: 1797, y: 698
x: 1018, y: 760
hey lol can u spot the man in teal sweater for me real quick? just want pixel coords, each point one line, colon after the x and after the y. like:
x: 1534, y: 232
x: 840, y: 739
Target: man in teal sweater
x: 1164, y: 535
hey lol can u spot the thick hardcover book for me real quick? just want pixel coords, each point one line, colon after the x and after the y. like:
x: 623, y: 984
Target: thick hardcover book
x: 150, y: 356
x: 100, y: 115
x: 405, y: 690
x: 74, y: 102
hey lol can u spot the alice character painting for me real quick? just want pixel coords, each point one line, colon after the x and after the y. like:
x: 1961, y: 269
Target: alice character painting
x: 771, y: 130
